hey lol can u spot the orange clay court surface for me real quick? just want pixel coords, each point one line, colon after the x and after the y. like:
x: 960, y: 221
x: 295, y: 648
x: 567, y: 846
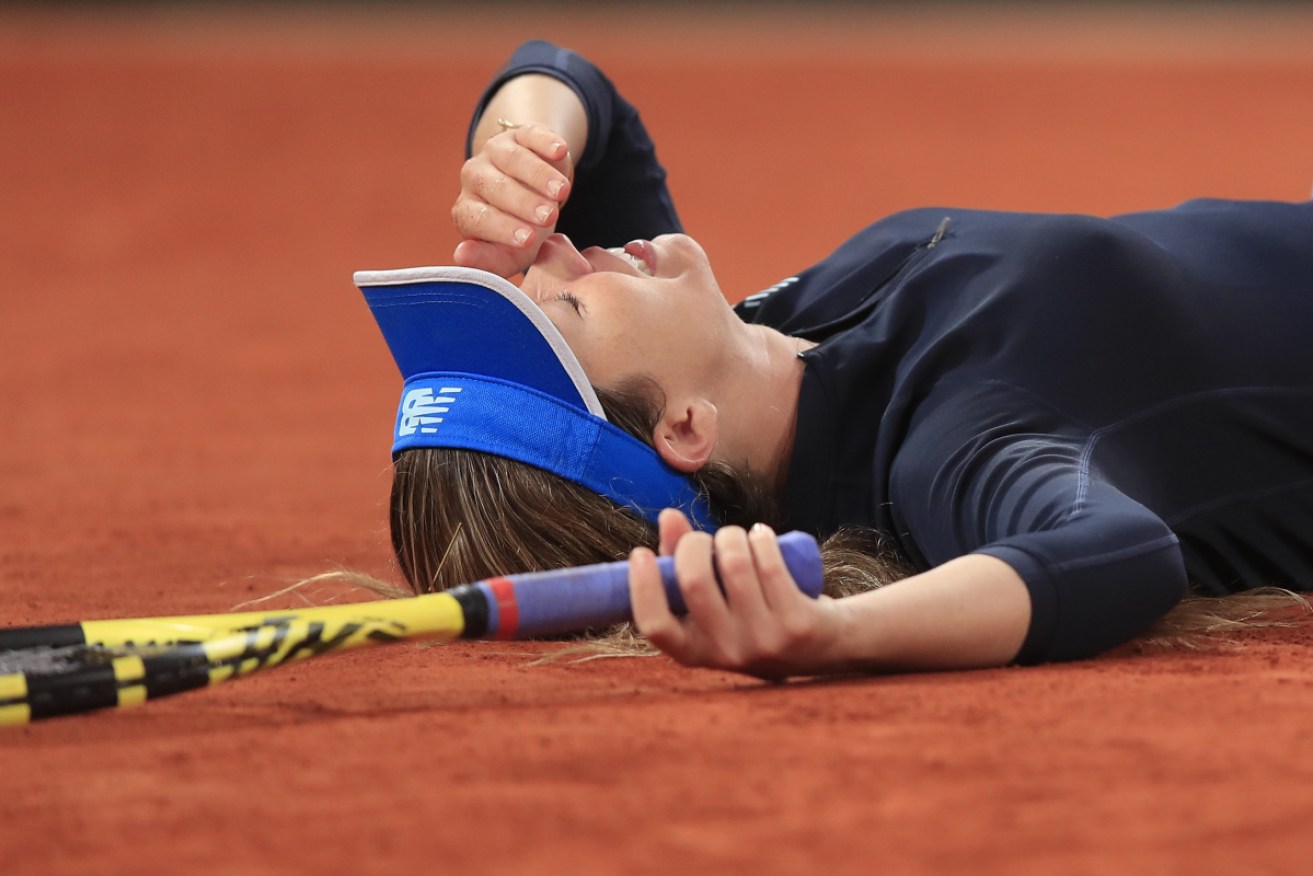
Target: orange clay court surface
x: 196, y: 410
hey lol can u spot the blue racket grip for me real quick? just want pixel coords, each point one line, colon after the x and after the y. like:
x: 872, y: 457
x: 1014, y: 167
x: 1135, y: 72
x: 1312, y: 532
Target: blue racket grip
x: 558, y: 601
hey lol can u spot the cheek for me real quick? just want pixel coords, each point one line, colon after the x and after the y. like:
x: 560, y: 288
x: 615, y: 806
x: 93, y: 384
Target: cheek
x: 618, y: 353
x: 612, y: 353
x: 594, y: 346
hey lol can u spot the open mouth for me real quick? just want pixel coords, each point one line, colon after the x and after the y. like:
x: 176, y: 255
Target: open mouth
x: 638, y: 253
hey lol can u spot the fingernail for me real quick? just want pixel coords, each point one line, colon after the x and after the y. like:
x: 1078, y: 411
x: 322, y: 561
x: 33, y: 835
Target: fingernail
x: 543, y: 213
x: 760, y: 529
x: 554, y: 187
x: 522, y: 236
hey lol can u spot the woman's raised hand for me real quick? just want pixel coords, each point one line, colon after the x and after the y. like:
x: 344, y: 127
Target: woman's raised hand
x: 757, y: 621
x: 511, y: 193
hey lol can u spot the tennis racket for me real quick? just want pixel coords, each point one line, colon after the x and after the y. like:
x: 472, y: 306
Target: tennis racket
x: 65, y: 669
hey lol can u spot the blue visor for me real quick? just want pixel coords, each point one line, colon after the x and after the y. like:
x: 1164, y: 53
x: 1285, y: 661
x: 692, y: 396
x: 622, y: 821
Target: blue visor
x: 485, y: 369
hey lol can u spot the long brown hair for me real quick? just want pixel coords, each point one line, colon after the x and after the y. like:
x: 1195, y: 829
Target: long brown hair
x: 460, y: 516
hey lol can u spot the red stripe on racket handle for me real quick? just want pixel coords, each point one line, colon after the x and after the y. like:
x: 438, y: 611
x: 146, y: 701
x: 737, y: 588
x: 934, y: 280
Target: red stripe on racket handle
x: 566, y: 600
x: 505, y: 607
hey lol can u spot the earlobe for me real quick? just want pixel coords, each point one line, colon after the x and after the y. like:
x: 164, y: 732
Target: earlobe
x: 685, y: 437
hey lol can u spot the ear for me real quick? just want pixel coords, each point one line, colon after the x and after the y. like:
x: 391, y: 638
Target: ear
x: 686, y: 436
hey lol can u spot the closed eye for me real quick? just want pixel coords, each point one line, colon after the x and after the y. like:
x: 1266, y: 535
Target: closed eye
x: 571, y: 300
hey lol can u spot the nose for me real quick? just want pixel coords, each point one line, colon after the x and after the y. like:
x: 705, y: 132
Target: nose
x: 559, y: 255
x: 557, y: 262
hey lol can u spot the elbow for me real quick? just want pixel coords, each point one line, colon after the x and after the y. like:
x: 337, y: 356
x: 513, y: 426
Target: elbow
x: 1082, y: 609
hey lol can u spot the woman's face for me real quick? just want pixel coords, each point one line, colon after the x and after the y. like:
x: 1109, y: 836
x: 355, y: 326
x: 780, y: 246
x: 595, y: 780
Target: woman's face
x: 651, y: 308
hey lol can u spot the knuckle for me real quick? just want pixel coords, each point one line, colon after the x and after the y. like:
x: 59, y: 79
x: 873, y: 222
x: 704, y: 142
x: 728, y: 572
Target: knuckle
x: 466, y: 215
x: 795, y: 632
x: 767, y: 642
x: 692, y: 547
x: 502, y: 148
x: 730, y: 534
x: 697, y: 591
x: 475, y: 168
x: 793, y: 629
x: 700, y: 541
x: 734, y: 565
x: 777, y: 577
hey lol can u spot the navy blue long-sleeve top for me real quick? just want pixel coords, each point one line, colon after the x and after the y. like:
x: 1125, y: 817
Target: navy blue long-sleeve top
x: 1117, y: 408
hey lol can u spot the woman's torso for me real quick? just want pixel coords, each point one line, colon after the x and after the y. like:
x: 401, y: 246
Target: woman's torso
x: 1165, y: 351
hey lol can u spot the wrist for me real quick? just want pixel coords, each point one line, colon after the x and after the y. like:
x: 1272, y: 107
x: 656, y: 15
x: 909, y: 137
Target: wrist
x: 535, y: 97
x: 832, y: 648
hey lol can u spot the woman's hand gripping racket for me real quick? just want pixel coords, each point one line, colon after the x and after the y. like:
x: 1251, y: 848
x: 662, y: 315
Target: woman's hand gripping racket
x: 65, y: 669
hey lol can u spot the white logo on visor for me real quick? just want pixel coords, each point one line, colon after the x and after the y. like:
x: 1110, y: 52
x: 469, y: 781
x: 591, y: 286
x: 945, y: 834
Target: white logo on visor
x: 421, y: 410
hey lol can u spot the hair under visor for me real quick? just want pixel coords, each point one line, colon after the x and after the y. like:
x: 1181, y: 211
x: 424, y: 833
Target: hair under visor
x: 485, y: 369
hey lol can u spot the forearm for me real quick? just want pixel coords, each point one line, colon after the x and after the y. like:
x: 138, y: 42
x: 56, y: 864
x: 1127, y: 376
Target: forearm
x: 746, y: 613
x: 536, y: 97
x: 618, y: 188
x: 971, y: 612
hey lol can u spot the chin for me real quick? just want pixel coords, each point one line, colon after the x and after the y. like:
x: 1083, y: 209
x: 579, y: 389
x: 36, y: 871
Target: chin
x: 690, y: 259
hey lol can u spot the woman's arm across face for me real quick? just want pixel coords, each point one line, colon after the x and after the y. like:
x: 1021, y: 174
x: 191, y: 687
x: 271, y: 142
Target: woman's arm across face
x: 969, y: 613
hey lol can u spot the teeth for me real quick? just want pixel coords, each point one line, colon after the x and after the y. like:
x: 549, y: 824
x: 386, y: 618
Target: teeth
x: 639, y: 264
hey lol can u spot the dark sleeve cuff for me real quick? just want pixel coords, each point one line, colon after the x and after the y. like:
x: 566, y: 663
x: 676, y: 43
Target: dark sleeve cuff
x: 1043, y: 602
x: 1083, y: 607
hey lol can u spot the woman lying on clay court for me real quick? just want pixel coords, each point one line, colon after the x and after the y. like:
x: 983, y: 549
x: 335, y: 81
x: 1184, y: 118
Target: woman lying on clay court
x: 1051, y: 428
